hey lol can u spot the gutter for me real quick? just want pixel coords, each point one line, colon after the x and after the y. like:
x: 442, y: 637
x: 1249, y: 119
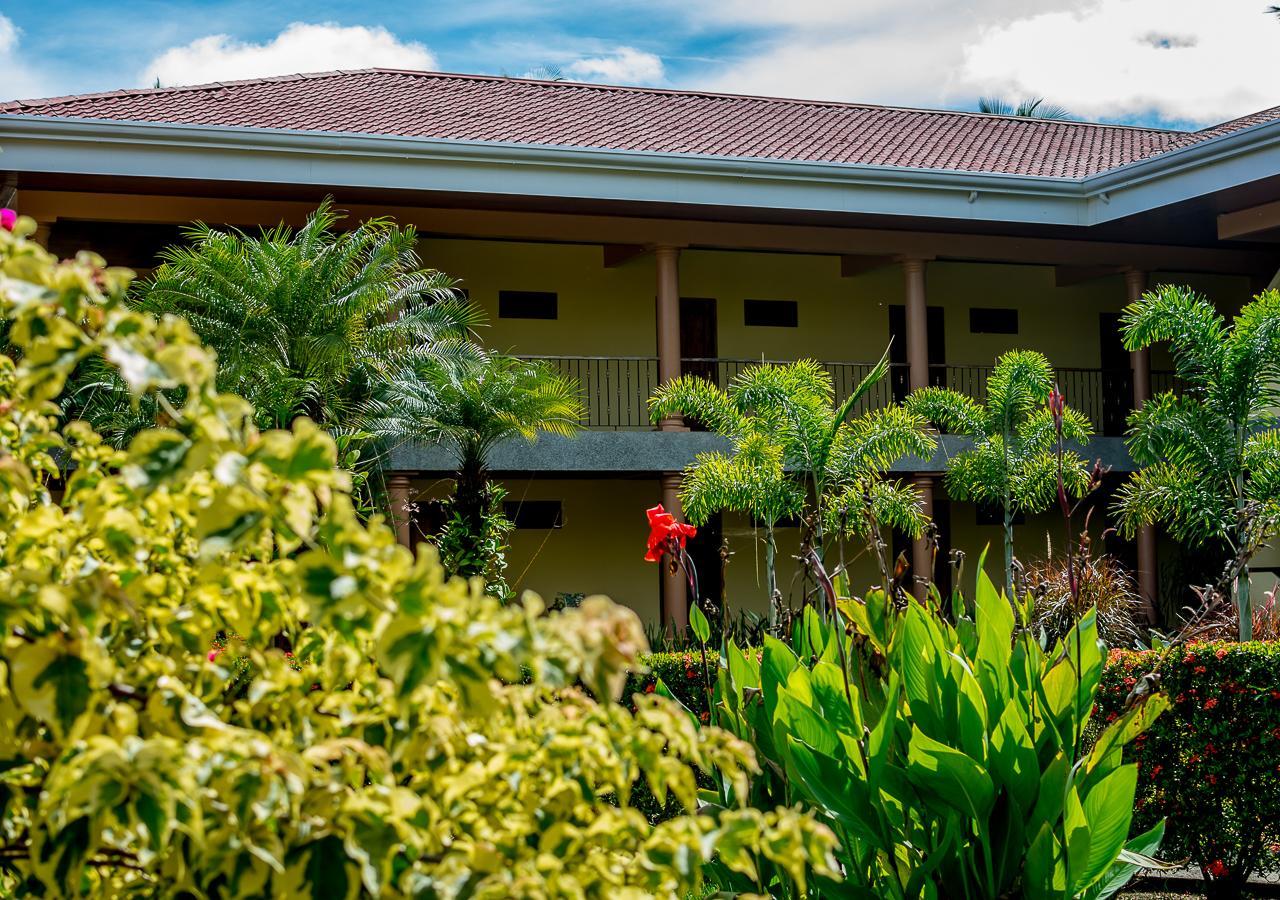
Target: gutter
x: 110, y: 147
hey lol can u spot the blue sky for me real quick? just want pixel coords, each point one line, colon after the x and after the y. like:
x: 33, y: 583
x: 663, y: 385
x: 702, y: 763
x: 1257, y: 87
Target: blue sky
x: 1178, y: 63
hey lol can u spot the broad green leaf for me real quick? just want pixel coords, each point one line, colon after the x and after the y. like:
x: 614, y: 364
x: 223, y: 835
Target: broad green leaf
x: 51, y: 685
x: 698, y: 622
x: 1137, y: 854
x: 944, y: 775
x: 1108, y: 807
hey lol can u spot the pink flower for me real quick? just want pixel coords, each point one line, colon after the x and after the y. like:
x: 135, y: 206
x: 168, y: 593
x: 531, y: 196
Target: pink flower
x: 213, y: 654
x: 8, y: 218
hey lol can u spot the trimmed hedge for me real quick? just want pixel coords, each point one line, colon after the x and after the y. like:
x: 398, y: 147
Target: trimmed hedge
x: 1210, y: 764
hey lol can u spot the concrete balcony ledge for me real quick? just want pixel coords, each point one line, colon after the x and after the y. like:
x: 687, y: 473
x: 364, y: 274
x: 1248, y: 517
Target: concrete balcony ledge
x: 600, y: 453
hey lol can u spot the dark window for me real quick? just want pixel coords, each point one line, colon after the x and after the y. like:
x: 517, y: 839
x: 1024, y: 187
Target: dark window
x: 772, y: 313
x: 994, y: 515
x: 993, y: 321
x: 527, y: 305
x: 534, y: 513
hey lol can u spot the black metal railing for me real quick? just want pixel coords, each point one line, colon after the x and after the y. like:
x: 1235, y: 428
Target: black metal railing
x: 616, y: 389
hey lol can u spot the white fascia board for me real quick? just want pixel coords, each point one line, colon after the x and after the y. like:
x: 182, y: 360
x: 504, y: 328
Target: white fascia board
x: 132, y: 149
x: 221, y: 153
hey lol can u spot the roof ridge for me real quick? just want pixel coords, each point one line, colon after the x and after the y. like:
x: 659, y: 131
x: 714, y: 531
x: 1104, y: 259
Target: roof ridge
x: 581, y: 85
x: 181, y: 88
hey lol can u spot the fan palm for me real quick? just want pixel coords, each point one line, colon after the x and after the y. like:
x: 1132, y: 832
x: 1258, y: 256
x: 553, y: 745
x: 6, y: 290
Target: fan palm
x: 794, y: 452
x: 305, y: 322
x: 1210, y: 454
x: 471, y: 400
x: 1030, y: 108
x: 1012, y: 464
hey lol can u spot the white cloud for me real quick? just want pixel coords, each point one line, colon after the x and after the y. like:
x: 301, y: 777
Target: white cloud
x: 624, y: 65
x: 1179, y: 59
x: 1174, y: 60
x: 21, y: 80
x: 301, y: 47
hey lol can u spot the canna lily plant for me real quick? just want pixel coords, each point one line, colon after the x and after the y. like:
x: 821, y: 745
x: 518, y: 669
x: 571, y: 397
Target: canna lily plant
x: 950, y: 759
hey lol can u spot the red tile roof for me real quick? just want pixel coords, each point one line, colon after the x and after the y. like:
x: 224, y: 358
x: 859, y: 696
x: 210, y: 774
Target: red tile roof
x: 522, y: 111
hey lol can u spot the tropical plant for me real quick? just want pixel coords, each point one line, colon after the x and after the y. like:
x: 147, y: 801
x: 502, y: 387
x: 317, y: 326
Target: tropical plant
x: 795, y: 452
x: 304, y: 323
x: 472, y: 401
x: 1030, y: 108
x: 423, y: 740
x: 1101, y: 583
x: 1013, y: 464
x: 950, y: 759
x: 1210, y: 452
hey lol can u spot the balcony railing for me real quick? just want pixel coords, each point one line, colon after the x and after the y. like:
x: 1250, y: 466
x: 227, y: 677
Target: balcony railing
x: 616, y: 389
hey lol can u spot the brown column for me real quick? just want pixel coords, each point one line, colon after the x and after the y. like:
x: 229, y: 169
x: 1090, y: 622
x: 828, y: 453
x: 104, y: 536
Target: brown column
x: 675, y: 593
x: 1135, y: 282
x: 401, y: 513
x: 675, y: 586
x: 917, y: 323
x: 918, y: 377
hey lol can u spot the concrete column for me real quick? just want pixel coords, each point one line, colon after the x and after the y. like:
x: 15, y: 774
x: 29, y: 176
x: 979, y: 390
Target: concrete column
x: 675, y: 591
x: 921, y: 551
x: 668, y: 323
x: 918, y: 377
x: 917, y: 323
x: 675, y: 585
x: 398, y: 498
x: 1135, y: 282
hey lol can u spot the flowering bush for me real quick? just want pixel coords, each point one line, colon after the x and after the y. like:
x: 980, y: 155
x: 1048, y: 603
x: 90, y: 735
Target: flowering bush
x: 1211, y: 763
x: 403, y: 752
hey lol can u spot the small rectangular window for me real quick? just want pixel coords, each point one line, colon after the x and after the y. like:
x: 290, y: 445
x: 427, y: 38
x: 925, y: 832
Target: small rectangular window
x: 771, y: 313
x: 993, y: 321
x: 527, y: 305
x: 534, y: 514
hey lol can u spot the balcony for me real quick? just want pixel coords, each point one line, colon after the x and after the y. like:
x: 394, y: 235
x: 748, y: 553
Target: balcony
x: 616, y: 389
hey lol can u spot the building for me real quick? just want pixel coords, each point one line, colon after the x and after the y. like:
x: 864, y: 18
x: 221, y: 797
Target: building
x: 633, y: 234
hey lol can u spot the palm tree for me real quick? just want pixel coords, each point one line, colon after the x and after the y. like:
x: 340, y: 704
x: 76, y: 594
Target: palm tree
x: 1012, y: 464
x: 795, y: 452
x: 1210, y: 454
x: 308, y: 322
x: 471, y: 401
x: 1030, y: 108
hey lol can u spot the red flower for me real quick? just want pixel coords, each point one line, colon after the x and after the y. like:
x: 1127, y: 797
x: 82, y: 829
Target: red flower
x: 1199, y: 670
x: 1189, y: 659
x: 664, y: 530
x: 650, y: 688
x: 1057, y: 404
x: 8, y: 218
x: 1156, y: 771
x: 1211, y: 703
x: 690, y: 674
x: 1222, y: 652
x: 1217, y: 868
x: 1212, y: 779
x: 704, y: 716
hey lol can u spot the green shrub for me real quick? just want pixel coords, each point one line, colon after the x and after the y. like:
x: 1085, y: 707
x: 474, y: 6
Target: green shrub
x: 398, y: 754
x: 1211, y: 764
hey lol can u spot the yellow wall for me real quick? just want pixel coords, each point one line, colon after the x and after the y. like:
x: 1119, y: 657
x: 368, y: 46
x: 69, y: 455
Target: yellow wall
x: 610, y: 312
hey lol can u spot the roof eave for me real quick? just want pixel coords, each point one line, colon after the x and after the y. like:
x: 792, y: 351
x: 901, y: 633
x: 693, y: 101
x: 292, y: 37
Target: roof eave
x: 223, y: 153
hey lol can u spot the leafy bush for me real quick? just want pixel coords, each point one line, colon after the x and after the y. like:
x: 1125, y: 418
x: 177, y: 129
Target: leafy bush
x: 1211, y: 764
x: 400, y: 753
x: 950, y: 760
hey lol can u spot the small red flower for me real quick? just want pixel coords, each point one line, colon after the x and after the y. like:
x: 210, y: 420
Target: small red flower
x: 690, y: 674
x: 8, y: 218
x: 1199, y: 670
x: 1222, y: 653
x: 650, y: 688
x: 1212, y: 779
x: 1211, y: 703
x: 704, y: 716
x: 1057, y: 404
x: 664, y: 532
x: 1189, y: 659
x: 1156, y: 770
x: 1217, y: 869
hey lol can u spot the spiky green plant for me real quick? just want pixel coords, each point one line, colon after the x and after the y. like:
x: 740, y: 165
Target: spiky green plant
x: 1029, y: 108
x: 305, y: 322
x: 794, y: 452
x: 1210, y: 454
x: 1012, y: 463
x: 471, y: 401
